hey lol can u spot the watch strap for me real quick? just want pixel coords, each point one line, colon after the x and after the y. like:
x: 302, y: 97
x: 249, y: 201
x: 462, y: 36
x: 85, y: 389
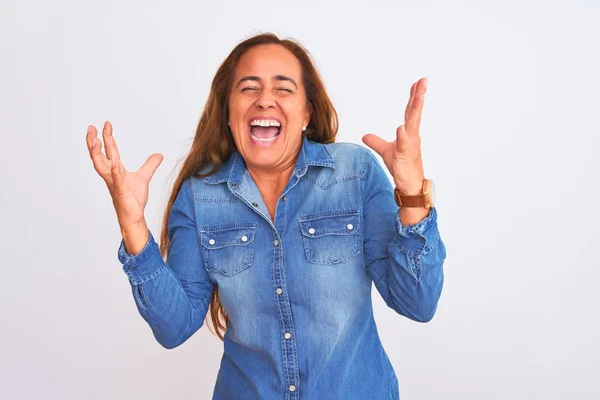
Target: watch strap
x: 418, y: 200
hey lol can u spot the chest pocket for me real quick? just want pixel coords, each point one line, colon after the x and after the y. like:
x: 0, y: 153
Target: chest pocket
x: 227, y: 249
x: 331, y: 237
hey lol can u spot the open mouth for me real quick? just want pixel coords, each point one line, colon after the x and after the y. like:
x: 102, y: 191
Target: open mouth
x: 265, y: 130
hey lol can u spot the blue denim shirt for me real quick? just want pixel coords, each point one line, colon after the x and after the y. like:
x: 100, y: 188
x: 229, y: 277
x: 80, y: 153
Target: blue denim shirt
x: 297, y: 289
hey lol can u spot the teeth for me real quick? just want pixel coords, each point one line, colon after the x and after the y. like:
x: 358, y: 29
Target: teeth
x: 264, y: 140
x: 264, y: 122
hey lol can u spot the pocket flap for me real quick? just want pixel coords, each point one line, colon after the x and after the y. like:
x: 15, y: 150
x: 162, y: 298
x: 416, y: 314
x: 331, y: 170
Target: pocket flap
x: 217, y: 237
x: 330, y: 223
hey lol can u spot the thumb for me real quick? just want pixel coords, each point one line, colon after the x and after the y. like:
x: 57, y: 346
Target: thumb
x: 376, y: 143
x: 149, y: 168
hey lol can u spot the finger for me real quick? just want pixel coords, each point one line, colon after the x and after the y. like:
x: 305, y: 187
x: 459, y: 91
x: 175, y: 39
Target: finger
x: 401, y: 138
x: 413, y: 88
x: 413, y: 117
x: 376, y: 143
x: 149, y: 168
x: 101, y: 163
x: 110, y: 145
x: 410, y: 100
x: 90, y: 136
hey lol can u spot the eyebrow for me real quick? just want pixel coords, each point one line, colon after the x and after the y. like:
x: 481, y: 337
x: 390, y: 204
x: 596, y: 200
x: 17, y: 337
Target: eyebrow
x: 276, y: 77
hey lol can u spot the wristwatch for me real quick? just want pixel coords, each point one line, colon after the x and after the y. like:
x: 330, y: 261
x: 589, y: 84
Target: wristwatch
x: 425, y: 199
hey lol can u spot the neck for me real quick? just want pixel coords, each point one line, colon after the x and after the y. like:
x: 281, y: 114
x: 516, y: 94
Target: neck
x: 272, y: 182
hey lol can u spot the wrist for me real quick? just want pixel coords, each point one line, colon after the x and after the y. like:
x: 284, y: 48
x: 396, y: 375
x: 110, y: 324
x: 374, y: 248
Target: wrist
x: 412, y: 216
x: 411, y: 187
x: 134, y: 228
x: 135, y: 237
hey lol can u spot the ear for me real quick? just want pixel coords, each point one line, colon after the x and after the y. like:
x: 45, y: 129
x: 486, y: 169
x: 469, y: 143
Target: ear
x: 307, y: 115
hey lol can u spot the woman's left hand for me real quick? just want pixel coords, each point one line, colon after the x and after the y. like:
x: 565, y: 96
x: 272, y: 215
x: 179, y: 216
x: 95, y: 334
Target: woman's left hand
x: 403, y: 156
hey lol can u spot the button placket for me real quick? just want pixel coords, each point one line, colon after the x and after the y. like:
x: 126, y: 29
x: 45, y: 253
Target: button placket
x: 290, y: 359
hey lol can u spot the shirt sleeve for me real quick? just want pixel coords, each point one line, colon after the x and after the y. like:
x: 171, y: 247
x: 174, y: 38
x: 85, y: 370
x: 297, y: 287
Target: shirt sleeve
x: 404, y: 262
x: 172, y: 296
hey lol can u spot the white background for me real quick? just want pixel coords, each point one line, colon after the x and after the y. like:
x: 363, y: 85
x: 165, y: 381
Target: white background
x: 509, y: 135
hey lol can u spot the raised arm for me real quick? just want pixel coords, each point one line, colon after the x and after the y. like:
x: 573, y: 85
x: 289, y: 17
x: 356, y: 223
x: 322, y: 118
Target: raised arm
x: 172, y: 296
x: 403, y: 248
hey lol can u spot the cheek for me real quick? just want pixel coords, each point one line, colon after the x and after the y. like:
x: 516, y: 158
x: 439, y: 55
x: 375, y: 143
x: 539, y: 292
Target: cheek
x: 236, y: 108
x: 295, y: 112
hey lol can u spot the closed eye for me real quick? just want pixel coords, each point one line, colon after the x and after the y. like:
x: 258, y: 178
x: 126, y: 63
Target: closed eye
x: 248, y: 88
x: 285, y: 90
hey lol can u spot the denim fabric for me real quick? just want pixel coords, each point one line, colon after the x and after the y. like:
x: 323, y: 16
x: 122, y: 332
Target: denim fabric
x: 297, y: 289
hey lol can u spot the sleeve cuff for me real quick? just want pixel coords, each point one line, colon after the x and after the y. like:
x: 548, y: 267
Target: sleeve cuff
x: 420, y: 238
x: 143, y: 266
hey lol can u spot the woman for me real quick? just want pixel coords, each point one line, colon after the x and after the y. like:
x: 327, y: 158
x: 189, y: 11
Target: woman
x: 280, y: 233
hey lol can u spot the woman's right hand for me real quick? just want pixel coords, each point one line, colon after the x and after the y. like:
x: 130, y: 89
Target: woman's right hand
x: 129, y: 190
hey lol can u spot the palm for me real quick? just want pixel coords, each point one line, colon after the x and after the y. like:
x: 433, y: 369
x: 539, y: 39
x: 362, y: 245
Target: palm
x: 394, y: 159
x: 134, y: 195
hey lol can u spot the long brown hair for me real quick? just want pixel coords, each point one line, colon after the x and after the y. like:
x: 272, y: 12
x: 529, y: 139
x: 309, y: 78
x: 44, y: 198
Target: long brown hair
x: 213, y: 142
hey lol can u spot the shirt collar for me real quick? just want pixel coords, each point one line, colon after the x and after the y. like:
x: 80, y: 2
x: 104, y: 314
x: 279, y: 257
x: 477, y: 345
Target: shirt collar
x: 311, y: 154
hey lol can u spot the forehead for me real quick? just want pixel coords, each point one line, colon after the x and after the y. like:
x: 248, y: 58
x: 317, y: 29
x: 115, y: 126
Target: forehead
x: 268, y: 60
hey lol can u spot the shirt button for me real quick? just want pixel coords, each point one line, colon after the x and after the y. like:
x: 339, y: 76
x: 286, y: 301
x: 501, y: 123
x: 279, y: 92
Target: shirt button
x: 350, y: 227
x: 276, y: 242
x: 255, y: 204
x: 211, y: 241
x: 287, y: 335
x: 292, y: 388
x: 283, y: 198
x: 279, y: 290
x: 311, y: 231
x: 244, y: 238
x: 233, y: 184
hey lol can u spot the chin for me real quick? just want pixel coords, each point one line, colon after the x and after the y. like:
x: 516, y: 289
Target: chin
x: 268, y: 156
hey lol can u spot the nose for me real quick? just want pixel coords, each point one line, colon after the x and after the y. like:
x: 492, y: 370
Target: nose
x: 265, y: 100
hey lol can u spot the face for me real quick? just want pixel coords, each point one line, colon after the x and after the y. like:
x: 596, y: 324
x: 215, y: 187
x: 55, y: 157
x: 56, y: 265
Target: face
x: 268, y: 108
